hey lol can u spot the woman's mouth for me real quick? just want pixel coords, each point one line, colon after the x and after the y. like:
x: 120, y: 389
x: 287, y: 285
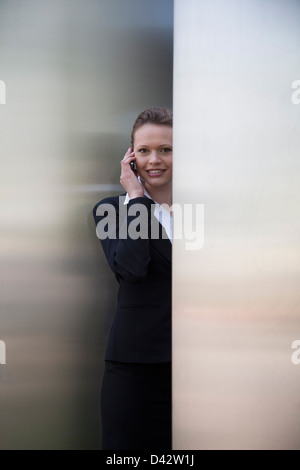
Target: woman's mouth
x: 155, y: 173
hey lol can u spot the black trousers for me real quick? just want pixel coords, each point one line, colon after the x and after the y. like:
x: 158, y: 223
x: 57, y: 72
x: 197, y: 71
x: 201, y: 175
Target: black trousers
x: 136, y: 406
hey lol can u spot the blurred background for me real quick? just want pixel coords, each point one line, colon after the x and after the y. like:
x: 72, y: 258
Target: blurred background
x: 77, y: 73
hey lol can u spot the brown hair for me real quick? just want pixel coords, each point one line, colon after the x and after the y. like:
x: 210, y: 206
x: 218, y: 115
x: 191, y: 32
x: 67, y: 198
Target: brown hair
x: 159, y: 116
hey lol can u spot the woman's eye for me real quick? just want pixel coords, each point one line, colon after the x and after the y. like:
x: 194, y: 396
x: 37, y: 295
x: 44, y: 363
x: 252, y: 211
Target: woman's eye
x: 162, y: 150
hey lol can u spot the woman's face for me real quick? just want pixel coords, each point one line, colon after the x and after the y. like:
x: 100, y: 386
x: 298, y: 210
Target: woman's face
x: 153, y: 147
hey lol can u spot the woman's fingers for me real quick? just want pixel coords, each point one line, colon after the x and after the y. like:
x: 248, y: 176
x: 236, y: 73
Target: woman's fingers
x: 129, y: 152
x: 128, y: 157
x: 125, y: 163
x: 128, y: 178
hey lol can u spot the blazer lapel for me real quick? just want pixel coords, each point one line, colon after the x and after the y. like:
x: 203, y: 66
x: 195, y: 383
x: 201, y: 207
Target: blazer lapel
x: 160, y: 241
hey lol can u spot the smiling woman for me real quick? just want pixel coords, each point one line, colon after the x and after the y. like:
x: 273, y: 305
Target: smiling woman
x: 151, y: 150
x: 153, y: 156
x: 136, y: 388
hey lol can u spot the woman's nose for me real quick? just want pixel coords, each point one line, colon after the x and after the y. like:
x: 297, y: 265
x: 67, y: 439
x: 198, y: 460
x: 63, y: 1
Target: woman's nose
x: 154, y: 156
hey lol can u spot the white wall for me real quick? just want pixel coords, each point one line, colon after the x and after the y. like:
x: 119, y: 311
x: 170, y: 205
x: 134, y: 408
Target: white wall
x: 236, y: 150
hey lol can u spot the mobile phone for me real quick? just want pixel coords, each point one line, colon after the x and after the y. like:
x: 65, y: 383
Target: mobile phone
x: 133, y: 166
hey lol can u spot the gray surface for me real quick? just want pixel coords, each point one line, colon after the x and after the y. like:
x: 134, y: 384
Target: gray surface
x: 77, y: 73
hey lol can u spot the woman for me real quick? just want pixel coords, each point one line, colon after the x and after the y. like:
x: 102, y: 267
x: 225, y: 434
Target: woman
x: 136, y: 388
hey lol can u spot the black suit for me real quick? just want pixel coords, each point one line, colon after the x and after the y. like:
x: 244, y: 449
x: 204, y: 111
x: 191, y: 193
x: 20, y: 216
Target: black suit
x: 141, y: 331
x: 136, y: 389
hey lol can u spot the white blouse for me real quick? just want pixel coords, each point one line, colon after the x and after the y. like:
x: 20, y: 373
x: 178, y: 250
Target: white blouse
x: 162, y: 215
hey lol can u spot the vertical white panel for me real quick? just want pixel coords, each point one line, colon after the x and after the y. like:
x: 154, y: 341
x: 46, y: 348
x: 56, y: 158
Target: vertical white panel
x: 236, y: 150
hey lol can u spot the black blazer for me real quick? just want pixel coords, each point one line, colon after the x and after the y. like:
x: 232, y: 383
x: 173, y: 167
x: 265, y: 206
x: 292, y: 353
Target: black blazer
x: 141, y: 330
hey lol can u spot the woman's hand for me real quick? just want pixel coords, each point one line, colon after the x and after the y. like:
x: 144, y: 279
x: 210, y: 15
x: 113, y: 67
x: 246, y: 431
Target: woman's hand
x: 128, y: 178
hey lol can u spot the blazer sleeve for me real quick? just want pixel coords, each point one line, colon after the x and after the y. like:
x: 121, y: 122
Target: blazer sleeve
x: 128, y: 257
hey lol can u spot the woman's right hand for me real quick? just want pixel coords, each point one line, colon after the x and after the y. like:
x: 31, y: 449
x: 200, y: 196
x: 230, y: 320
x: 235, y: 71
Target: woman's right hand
x: 128, y: 178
